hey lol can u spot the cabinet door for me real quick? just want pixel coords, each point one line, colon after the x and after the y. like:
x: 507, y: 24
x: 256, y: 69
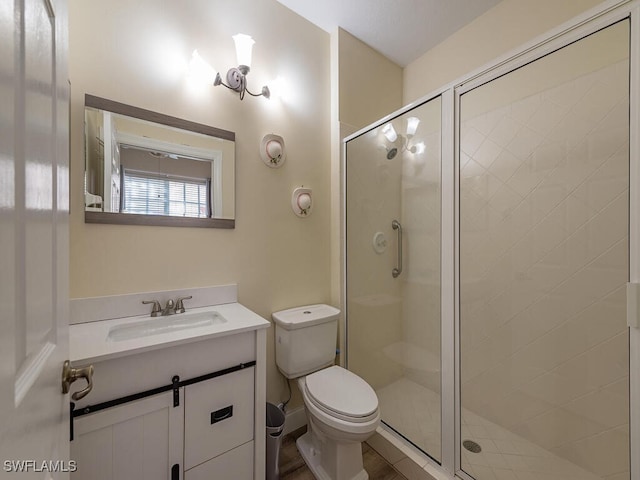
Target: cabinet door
x: 140, y: 440
x: 236, y: 464
x: 218, y: 416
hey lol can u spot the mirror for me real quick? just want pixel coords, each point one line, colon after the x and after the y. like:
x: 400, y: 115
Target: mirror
x: 146, y: 168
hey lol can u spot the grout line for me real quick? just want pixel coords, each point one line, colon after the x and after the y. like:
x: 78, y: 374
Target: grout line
x: 563, y: 282
x: 578, y: 313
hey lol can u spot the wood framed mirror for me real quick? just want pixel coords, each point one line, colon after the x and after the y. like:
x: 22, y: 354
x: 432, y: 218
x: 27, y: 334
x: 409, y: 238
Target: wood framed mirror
x: 147, y: 168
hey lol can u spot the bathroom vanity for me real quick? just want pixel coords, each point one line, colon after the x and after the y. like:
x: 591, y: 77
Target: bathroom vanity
x: 176, y: 397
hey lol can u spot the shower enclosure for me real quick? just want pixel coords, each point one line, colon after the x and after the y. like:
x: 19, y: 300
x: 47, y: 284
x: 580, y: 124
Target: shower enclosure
x: 393, y: 263
x: 490, y: 234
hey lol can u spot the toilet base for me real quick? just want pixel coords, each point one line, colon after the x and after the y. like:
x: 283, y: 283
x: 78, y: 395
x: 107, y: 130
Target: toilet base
x: 346, y: 463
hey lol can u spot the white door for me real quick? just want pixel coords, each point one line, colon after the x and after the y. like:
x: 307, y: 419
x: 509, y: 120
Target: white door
x: 34, y: 217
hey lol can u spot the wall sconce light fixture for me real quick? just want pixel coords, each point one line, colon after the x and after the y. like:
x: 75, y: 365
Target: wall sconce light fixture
x: 236, y: 76
x: 402, y: 142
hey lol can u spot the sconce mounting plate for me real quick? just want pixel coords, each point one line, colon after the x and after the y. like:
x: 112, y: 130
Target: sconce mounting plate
x: 235, y: 79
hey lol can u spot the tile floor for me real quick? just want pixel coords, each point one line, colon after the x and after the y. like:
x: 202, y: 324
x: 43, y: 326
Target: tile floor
x: 292, y: 466
x: 414, y: 410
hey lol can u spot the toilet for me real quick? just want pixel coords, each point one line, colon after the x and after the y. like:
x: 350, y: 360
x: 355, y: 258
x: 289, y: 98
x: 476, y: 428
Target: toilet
x: 342, y: 409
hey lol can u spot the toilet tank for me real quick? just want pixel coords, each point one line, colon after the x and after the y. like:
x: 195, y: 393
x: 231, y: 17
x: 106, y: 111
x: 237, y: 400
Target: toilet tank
x: 305, y: 339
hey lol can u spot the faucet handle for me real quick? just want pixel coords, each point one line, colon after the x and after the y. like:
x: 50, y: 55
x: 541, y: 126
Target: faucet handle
x: 180, y: 303
x: 156, y: 310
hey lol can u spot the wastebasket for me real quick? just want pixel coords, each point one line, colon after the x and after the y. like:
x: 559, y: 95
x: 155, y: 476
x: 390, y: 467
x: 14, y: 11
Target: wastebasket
x: 275, y: 426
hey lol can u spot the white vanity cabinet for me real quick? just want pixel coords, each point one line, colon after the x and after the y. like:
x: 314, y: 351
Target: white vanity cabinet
x: 218, y: 416
x: 140, y: 440
x: 208, y: 423
x: 145, y: 439
x: 218, y: 430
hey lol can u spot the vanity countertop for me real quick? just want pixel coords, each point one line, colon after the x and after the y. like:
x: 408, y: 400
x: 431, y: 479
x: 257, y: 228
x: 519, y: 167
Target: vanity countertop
x: 89, y: 342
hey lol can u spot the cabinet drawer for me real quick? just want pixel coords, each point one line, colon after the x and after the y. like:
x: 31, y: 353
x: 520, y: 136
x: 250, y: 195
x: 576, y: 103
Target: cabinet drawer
x: 218, y: 416
x: 236, y: 464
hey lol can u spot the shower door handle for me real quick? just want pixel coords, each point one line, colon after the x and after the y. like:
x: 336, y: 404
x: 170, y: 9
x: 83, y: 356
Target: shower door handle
x: 398, y: 270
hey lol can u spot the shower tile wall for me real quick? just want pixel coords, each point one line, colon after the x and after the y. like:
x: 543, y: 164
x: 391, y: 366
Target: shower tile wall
x: 544, y: 261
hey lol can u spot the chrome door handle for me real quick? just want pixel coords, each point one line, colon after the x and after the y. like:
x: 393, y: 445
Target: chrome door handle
x: 70, y: 375
x: 398, y: 270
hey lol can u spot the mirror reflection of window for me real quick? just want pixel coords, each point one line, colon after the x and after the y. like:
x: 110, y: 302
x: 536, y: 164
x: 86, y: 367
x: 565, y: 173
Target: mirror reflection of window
x: 146, y: 164
x: 165, y: 183
x: 148, y: 193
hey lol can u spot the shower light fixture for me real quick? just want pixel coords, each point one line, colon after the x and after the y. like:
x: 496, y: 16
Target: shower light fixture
x: 236, y: 76
x: 412, y: 126
x: 389, y: 132
x: 402, y: 142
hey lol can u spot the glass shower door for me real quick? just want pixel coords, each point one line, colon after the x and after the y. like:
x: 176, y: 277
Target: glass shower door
x: 544, y: 258
x: 393, y: 198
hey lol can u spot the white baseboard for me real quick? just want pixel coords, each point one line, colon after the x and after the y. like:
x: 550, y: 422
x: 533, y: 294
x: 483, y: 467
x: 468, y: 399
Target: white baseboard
x: 294, y: 419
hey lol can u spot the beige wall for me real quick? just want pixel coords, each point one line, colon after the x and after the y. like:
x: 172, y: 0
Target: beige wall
x: 505, y: 27
x: 370, y: 84
x: 136, y: 53
x: 366, y: 86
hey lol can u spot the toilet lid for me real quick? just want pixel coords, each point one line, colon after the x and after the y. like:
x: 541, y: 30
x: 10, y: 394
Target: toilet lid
x: 342, y: 391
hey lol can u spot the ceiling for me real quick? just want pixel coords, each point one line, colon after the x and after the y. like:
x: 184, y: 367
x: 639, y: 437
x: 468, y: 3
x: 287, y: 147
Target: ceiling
x: 401, y: 30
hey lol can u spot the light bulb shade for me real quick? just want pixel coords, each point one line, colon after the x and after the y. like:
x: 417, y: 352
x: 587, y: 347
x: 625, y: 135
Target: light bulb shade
x: 200, y: 70
x: 419, y: 148
x: 389, y: 132
x: 244, y: 45
x: 412, y: 125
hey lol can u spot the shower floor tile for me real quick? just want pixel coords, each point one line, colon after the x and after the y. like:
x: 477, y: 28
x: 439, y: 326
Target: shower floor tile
x: 414, y: 410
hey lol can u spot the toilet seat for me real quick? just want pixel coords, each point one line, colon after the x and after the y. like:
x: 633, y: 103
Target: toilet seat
x: 342, y: 394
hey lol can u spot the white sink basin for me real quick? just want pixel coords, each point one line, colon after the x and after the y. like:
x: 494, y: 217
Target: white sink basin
x: 160, y: 325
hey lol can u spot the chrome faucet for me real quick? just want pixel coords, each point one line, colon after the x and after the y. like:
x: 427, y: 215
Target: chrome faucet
x: 180, y: 303
x: 156, y: 310
x: 169, y: 309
